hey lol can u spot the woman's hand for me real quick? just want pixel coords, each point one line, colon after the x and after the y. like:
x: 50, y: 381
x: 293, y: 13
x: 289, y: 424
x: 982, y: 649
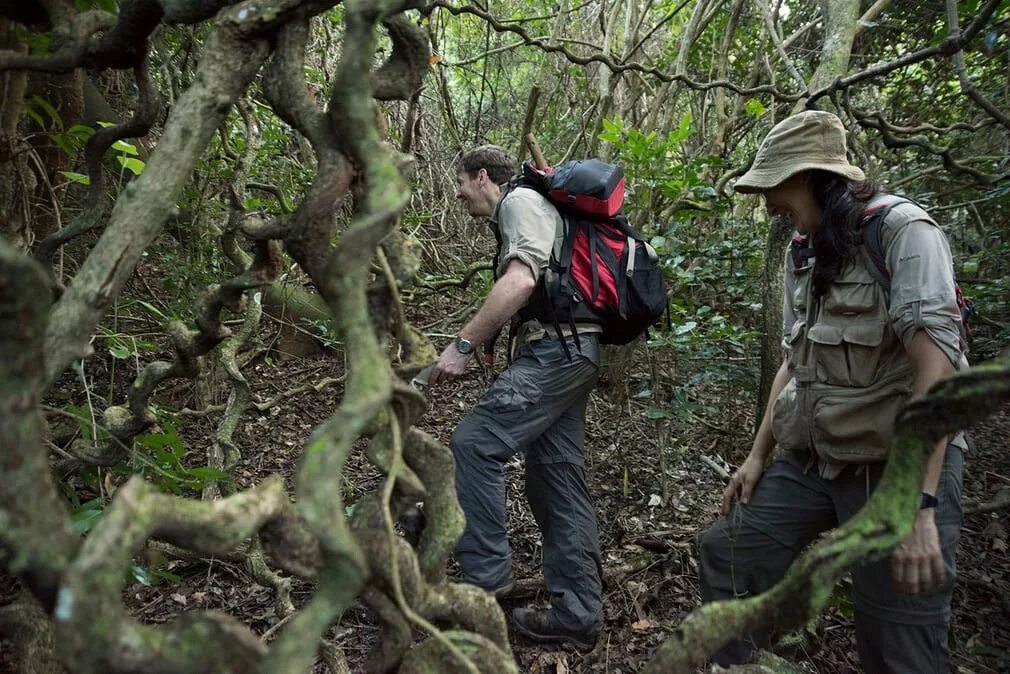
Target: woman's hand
x: 917, y: 562
x: 741, y: 485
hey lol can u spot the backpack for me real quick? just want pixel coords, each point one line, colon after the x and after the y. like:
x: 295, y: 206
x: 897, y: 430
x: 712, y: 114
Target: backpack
x: 873, y: 250
x: 606, y: 272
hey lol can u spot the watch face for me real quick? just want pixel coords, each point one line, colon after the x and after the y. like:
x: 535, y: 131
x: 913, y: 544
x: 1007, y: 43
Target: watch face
x: 463, y: 345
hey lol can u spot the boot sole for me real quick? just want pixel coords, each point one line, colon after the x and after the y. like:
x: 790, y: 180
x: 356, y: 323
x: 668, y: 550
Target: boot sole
x: 582, y: 646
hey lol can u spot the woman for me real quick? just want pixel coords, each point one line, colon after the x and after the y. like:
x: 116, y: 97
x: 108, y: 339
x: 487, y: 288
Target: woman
x: 855, y: 351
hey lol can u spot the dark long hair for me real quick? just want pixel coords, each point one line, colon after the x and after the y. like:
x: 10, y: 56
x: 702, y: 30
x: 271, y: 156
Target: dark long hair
x: 838, y: 237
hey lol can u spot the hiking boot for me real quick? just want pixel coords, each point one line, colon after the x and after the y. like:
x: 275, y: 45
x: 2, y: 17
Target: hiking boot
x: 503, y: 590
x: 496, y: 592
x: 536, y: 625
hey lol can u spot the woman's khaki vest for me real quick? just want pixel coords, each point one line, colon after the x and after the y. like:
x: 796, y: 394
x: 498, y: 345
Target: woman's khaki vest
x: 850, y: 372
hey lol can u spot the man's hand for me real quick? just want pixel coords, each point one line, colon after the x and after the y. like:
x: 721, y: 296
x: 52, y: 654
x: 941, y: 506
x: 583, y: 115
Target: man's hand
x: 450, y: 365
x: 741, y: 485
x: 917, y: 563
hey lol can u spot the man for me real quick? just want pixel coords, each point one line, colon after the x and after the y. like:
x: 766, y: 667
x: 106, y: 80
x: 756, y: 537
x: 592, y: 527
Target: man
x: 537, y: 406
x: 855, y: 351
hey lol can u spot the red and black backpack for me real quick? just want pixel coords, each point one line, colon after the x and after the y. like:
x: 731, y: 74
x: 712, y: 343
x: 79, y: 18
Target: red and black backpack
x: 606, y: 272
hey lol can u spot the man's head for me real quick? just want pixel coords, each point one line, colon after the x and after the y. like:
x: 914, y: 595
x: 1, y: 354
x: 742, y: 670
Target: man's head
x: 479, y: 176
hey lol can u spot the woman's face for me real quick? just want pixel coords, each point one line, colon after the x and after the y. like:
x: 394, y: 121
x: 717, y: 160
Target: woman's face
x: 794, y: 200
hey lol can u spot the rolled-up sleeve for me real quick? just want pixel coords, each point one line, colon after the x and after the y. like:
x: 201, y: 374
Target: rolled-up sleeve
x: 922, y: 286
x: 528, y: 224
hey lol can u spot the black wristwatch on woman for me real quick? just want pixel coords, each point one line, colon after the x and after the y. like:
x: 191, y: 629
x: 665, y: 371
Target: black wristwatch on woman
x: 928, y: 501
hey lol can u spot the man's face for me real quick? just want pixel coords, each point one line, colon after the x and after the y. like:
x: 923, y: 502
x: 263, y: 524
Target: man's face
x: 472, y: 191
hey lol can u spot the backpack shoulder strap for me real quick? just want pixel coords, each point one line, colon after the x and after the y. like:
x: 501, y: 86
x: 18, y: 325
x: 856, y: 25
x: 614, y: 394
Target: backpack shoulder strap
x: 872, y: 223
x: 800, y: 253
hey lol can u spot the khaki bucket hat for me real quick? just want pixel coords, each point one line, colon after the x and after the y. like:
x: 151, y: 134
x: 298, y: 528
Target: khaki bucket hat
x: 813, y: 139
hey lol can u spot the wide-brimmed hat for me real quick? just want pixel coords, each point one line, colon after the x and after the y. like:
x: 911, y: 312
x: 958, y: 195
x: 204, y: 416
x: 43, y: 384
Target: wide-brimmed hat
x: 813, y: 139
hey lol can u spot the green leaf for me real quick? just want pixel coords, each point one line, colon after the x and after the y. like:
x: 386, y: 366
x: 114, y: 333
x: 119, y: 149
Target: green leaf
x: 153, y: 309
x: 685, y: 328
x: 134, y: 166
x: 125, y: 148
x: 168, y: 438
x: 38, y: 43
x: 66, y: 144
x: 84, y: 517
x: 119, y: 351
x: 658, y: 413
x: 754, y: 107
x: 207, y: 474
x: 139, y: 574
x: 50, y: 111
x: 36, y: 117
x: 76, y: 177
x: 683, y: 129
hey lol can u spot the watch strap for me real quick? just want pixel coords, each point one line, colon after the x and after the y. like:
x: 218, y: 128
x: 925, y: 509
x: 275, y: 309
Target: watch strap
x: 928, y: 501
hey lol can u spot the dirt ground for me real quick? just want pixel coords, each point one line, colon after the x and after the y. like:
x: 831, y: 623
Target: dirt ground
x: 647, y: 541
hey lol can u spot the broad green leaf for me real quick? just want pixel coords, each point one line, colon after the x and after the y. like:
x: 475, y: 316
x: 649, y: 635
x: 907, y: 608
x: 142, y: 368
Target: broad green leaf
x: 125, y: 148
x: 76, y: 177
x: 80, y: 131
x: 134, y: 166
x: 84, y: 517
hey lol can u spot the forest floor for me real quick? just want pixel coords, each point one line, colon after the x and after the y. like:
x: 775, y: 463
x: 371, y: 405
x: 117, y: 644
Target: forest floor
x: 651, y: 580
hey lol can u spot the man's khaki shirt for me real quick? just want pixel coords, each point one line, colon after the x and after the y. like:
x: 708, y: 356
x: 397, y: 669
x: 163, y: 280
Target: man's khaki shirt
x: 530, y: 228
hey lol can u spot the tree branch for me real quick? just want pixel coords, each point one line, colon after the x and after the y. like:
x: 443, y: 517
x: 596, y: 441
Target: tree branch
x: 36, y: 540
x: 610, y: 63
x: 228, y: 65
x: 967, y: 86
x: 149, y: 109
x: 871, y: 534
x: 947, y: 47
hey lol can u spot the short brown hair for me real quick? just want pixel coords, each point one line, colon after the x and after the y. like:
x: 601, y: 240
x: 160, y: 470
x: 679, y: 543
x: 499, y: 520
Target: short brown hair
x: 498, y: 163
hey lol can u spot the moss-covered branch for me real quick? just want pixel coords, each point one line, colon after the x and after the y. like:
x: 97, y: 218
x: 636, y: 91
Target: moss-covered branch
x: 93, y: 629
x: 36, y: 540
x: 872, y: 533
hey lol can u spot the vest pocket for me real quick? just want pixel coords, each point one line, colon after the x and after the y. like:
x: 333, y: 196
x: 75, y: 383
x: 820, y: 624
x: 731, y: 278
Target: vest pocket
x: 857, y: 428
x: 847, y: 350
x: 789, y: 422
x: 848, y: 298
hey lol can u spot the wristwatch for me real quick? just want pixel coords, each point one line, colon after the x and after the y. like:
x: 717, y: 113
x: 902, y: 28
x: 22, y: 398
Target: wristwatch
x: 464, y: 345
x: 928, y: 501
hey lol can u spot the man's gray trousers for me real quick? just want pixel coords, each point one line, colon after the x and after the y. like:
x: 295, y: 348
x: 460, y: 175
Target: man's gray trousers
x: 748, y: 551
x: 536, y: 406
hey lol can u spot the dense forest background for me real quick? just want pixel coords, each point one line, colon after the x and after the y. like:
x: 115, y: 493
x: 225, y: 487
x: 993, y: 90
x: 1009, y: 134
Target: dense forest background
x: 229, y: 238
